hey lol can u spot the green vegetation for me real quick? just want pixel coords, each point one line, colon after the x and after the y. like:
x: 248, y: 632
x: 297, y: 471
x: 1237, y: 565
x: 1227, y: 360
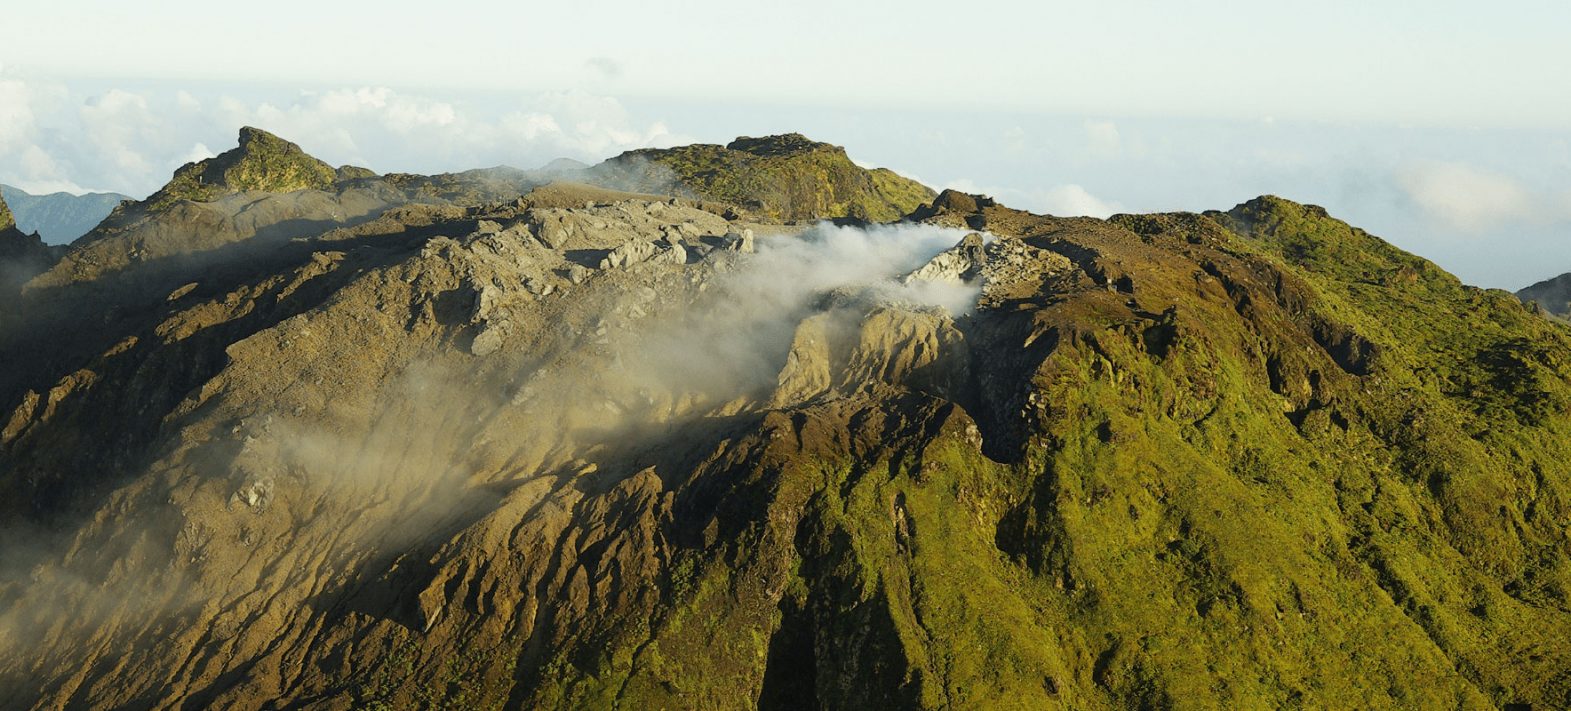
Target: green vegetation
x: 466, y: 681
x: 784, y: 177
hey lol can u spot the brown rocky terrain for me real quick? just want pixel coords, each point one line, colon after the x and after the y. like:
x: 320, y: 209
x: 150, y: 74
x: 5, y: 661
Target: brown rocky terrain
x: 581, y: 448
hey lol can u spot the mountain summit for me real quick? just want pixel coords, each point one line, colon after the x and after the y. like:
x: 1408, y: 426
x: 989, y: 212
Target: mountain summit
x: 784, y: 177
x: 261, y: 162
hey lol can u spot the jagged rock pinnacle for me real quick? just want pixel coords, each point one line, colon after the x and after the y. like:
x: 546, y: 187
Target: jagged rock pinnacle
x: 261, y: 161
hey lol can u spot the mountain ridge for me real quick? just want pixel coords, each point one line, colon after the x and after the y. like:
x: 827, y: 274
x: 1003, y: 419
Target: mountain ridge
x: 581, y: 448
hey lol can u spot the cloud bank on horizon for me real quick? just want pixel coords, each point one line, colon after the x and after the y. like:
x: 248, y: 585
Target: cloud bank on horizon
x: 1493, y: 207
x: 54, y: 137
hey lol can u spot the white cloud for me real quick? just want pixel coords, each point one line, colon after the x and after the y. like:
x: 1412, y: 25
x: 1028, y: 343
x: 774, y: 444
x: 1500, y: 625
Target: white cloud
x: 16, y: 115
x: 198, y: 152
x: 131, y: 141
x: 386, y: 130
x: 1471, y: 199
x: 606, y: 67
x: 1102, y: 137
x: 1015, y: 139
x: 1074, y: 200
x: 1067, y: 200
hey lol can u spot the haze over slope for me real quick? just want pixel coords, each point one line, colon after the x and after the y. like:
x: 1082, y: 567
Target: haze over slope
x: 475, y: 441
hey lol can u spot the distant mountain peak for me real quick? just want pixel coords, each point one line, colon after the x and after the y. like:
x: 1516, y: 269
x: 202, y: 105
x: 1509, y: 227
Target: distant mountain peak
x: 1552, y: 295
x: 562, y: 164
x: 262, y: 161
x: 58, y: 217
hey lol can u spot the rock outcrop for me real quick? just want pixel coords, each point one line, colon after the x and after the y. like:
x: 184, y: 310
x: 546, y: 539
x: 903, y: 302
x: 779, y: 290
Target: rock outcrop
x: 960, y: 264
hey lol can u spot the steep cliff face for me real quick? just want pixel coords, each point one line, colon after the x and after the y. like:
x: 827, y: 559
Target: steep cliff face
x: 786, y: 177
x: 588, y: 449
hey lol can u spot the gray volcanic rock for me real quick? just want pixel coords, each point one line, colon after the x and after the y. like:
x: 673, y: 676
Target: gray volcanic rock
x: 961, y: 263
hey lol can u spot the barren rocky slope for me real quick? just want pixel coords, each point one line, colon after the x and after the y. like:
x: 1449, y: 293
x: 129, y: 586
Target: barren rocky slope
x: 582, y: 448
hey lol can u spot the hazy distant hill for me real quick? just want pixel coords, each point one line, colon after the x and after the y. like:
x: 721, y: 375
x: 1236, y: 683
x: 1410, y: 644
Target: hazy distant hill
x: 59, y: 217
x: 1553, y: 294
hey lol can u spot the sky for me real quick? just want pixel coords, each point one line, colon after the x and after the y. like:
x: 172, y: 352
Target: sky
x: 1445, y: 129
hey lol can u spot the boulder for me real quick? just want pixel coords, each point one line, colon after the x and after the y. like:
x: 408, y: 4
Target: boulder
x: 957, y: 265
x: 740, y: 241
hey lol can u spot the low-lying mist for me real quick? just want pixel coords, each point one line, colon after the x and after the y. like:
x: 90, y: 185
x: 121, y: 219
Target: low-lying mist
x: 733, y: 339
